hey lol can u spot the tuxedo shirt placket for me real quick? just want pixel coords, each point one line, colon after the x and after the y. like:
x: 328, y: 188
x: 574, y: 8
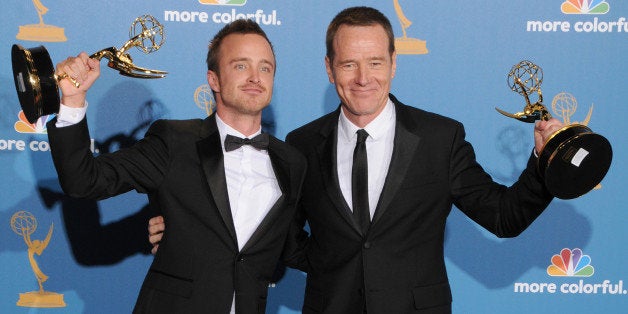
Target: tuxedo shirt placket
x: 252, y: 186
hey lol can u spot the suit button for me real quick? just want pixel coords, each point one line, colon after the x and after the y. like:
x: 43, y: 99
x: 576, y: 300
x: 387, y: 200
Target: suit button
x: 367, y: 245
x: 240, y: 259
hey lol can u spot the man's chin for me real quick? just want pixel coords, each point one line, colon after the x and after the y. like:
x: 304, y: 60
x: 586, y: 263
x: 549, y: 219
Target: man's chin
x: 254, y: 108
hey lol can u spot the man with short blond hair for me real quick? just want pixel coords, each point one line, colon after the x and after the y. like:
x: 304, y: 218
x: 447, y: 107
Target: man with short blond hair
x: 226, y: 189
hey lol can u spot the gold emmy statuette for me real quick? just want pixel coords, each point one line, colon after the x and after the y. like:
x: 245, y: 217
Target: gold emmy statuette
x: 24, y: 224
x: 405, y: 44
x: 574, y: 159
x: 37, y: 85
x: 41, y: 31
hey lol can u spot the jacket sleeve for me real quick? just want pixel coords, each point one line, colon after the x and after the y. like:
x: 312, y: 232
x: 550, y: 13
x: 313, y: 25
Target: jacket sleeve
x: 294, y: 252
x: 140, y: 167
x: 504, y: 211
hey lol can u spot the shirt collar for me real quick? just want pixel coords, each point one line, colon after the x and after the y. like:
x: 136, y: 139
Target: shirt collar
x: 224, y: 129
x: 376, y: 128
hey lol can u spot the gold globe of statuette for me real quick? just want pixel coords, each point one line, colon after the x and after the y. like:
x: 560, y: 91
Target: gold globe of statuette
x: 525, y: 78
x: 204, y: 99
x: 149, y: 33
x: 23, y: 223
x: 564, y: 105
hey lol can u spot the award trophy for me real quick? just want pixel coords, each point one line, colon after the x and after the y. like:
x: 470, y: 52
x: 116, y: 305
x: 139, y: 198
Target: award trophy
x: 24, y: 224
x: 37, y: 84
x: 574, y: 159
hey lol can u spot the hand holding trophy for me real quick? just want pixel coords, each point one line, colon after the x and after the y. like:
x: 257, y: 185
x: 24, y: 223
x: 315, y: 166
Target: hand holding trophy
x: 37, y: 85
x: 574, y: 159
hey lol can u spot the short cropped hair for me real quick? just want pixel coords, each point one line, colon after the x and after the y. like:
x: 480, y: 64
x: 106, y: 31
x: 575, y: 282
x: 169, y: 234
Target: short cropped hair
x: 240, y: 26
x: 358, y: 16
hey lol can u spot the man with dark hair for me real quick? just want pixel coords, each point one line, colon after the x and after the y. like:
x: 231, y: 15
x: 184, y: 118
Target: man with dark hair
x: 382, y: 178
x: 227, y: 190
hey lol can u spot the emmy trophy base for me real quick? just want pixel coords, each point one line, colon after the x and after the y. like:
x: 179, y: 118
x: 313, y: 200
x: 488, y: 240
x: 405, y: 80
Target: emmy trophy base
x: 574, y: 160
x: 35, y: 82
x: 410, y: 46
x: 41, y: 32
x: 42, y: 299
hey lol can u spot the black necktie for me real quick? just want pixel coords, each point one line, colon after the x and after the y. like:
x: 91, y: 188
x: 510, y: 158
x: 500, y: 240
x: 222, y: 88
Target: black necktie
x: 359, y: 183
x: 234, y: 142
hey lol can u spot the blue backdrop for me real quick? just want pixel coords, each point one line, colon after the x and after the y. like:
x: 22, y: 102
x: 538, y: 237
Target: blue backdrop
x: 97, y: 253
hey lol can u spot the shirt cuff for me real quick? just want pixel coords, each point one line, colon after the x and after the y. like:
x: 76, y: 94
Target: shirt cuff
x: 69, y: 116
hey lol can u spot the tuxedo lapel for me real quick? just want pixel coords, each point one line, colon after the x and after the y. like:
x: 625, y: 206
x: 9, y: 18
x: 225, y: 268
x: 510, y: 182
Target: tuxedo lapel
x: 281, y: 168
x: 326, y: 152
x: 212, y: 162
x: 406, y: 143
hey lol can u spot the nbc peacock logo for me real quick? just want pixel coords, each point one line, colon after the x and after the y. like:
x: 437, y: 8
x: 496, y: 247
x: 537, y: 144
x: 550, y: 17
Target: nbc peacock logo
x: 570, y: 263
x: 223, y: 2
x: 38, y: 127
x: 585, y: 7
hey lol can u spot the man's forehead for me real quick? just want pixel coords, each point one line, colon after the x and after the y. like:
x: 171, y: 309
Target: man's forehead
x: 246, y: 46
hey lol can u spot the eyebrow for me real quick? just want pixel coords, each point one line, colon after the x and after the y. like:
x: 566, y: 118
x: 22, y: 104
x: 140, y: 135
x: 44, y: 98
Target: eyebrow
x: 354, y: 60
x: 246, y: 59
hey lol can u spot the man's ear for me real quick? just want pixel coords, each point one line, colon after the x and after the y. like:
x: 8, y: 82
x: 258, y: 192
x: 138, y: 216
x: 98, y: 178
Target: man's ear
x: 330, y: 73
x: 212, y: 80
x: 394, y: 64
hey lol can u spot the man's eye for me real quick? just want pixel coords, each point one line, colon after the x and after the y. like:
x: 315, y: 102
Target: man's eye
x: 376, y: 65
x: 349, y: 66
x: 240, y: 67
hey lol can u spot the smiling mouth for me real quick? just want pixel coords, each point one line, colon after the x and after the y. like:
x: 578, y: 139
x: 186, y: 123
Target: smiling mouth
x: 362, y: 91
x: 252, y: 89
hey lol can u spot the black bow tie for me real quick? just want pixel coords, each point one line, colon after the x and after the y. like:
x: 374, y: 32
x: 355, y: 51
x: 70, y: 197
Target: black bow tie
x: 234, y: 142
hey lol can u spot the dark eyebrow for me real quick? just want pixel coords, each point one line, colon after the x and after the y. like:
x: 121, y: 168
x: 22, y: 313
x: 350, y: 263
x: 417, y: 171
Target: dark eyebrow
x: 340, y: 62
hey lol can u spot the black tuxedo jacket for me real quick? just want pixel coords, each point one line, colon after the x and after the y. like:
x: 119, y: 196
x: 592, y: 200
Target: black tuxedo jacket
x: 179, y: 165
x: 398, y: 266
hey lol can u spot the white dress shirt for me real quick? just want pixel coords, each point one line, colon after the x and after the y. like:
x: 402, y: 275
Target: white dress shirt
x: 251, y: 183
x: 379, y: 148
x: 68, y: 115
